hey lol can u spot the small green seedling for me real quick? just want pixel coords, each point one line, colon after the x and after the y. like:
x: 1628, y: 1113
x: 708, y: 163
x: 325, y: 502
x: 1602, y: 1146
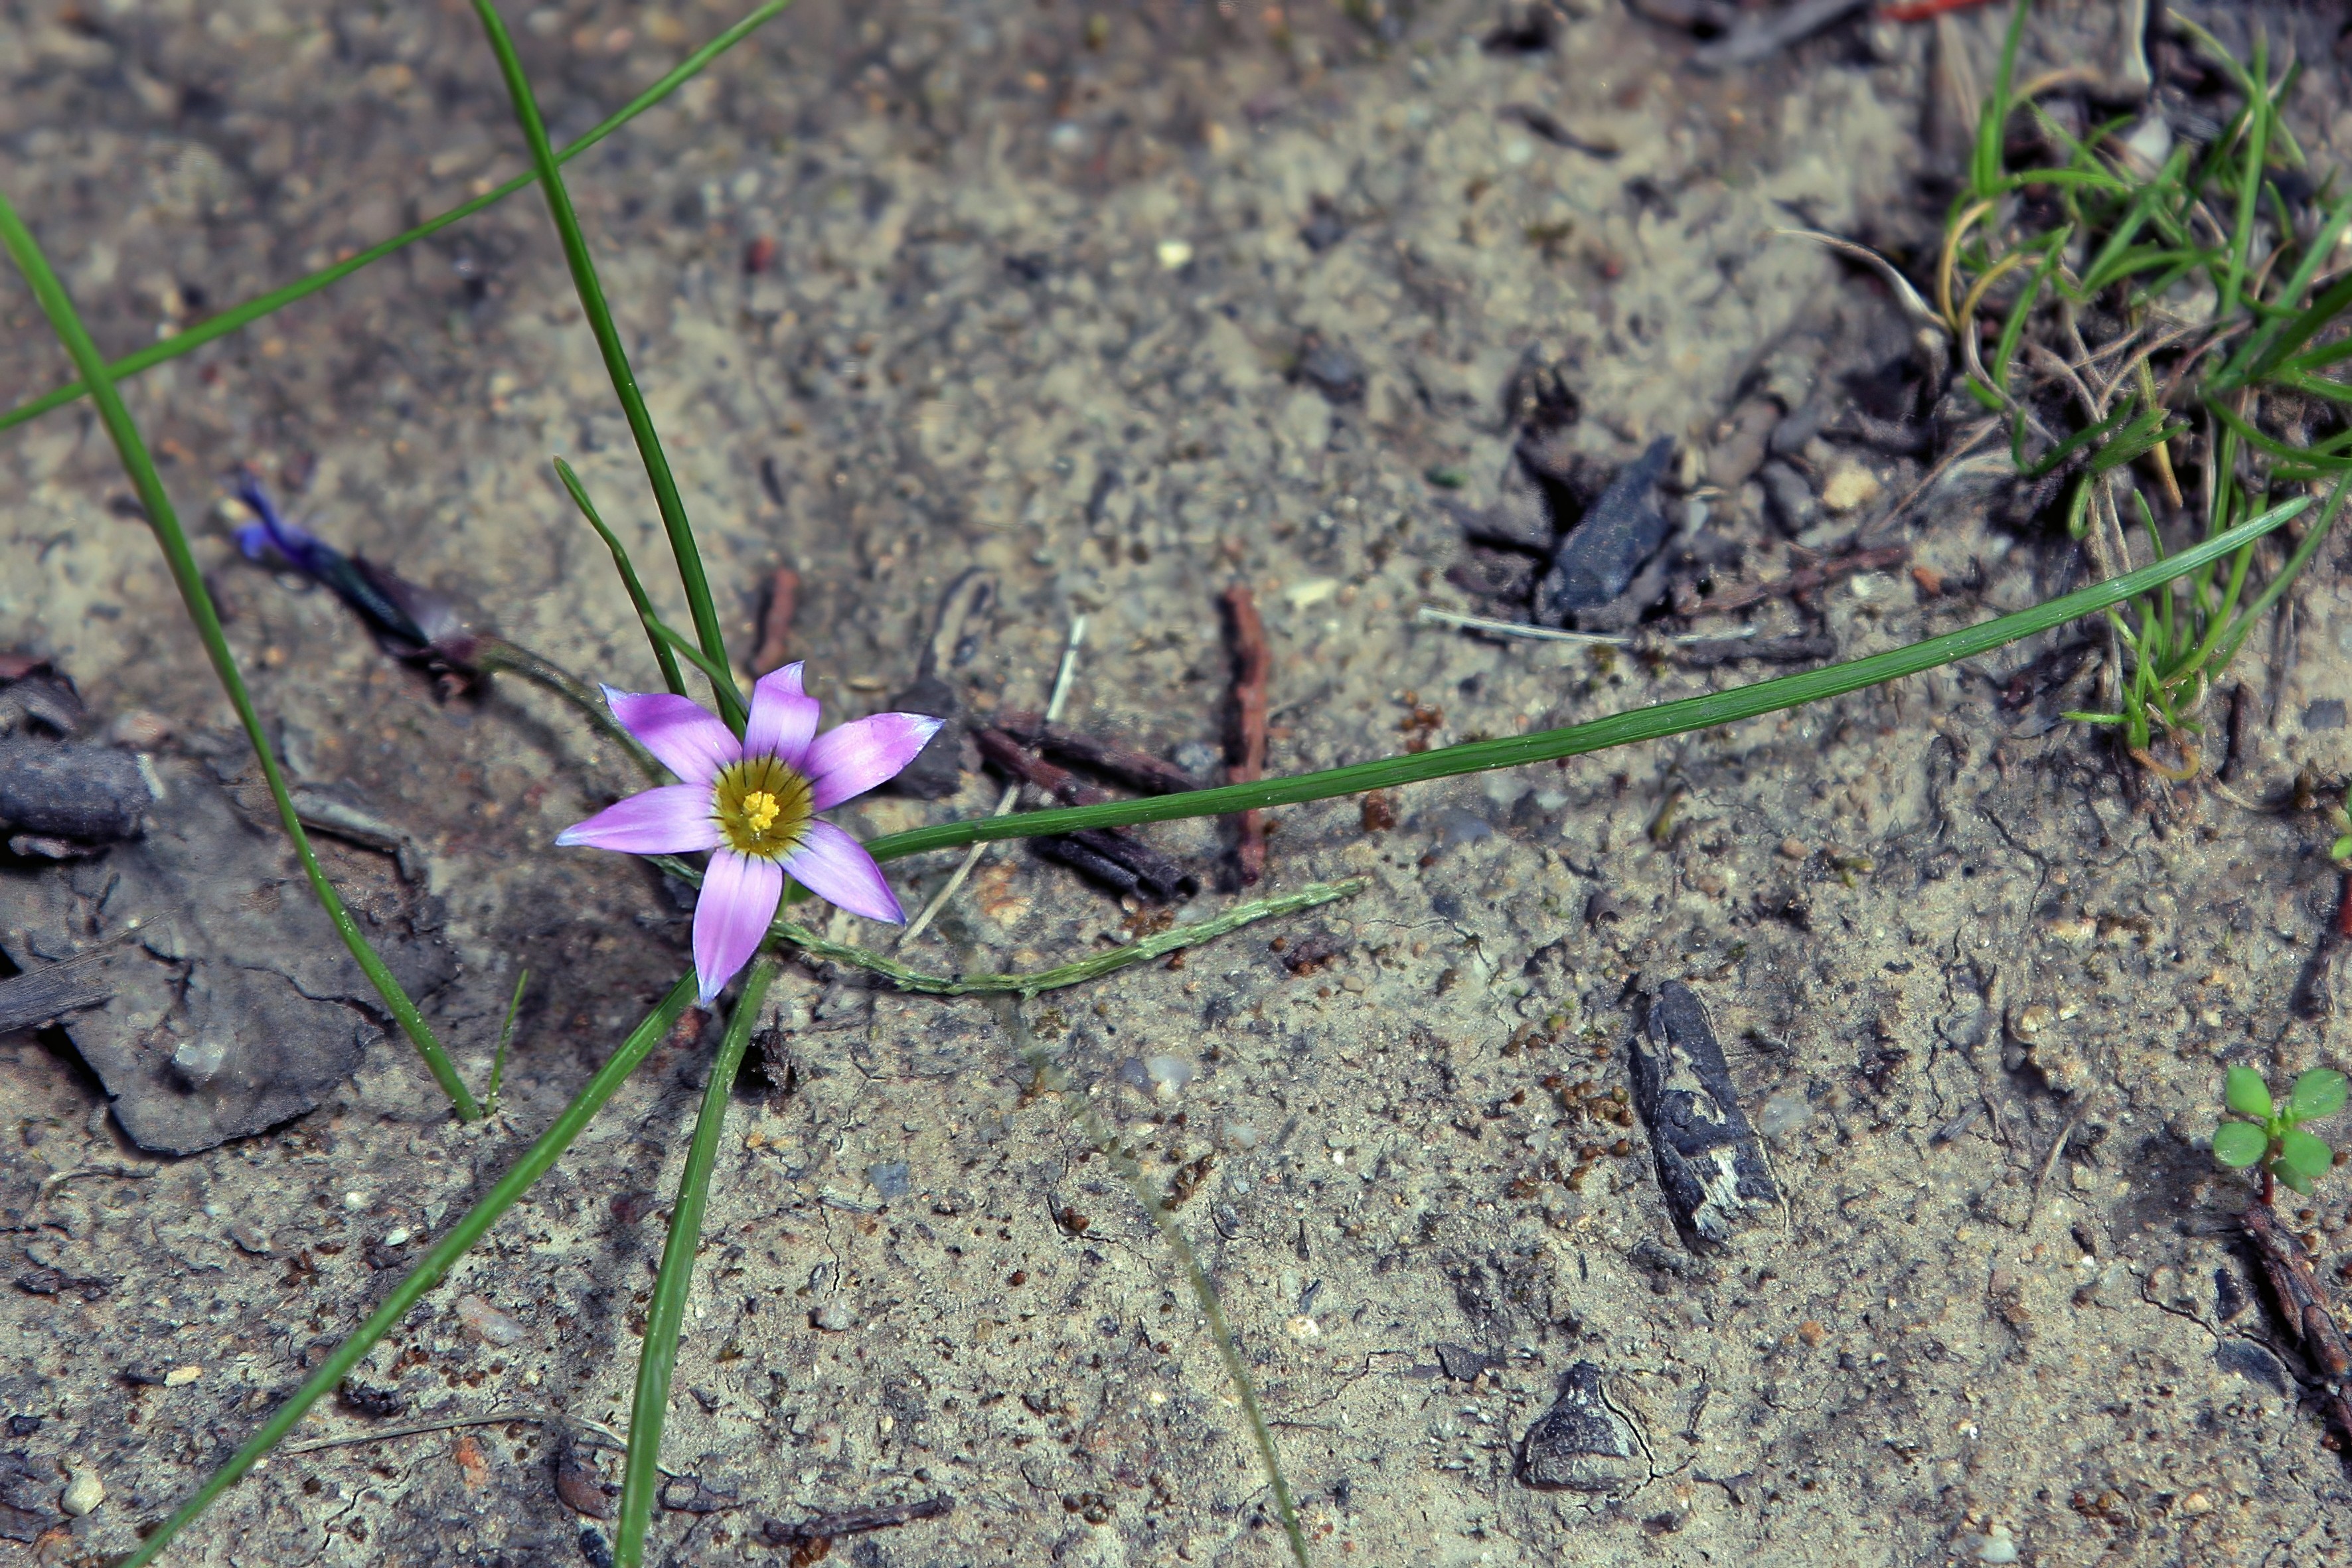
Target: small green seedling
x: 2271, y: 1135
x: 2339, y: 817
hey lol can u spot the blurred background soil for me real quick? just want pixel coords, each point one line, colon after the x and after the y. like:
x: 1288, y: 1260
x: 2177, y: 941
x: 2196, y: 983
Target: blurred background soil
x: 1125, y: 304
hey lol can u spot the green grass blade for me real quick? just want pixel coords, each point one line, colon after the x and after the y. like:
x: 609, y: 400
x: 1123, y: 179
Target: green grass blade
x: 722, y: 681
x: 1049, y: 1076
x: 1651, y: 723
x: 2250, y: 183
x: 506, y: 1038
x: 495, y: 655
x: 628, y: 571
x: 468, y: 1230
x: 2013, y: 328
x: 690, y: 575
x: 658, y: 1357
x: 1078, y: 973
x: 220, y: 326
x: 165, y: 524
x: 1992, y: 122
x: 2287, y: 576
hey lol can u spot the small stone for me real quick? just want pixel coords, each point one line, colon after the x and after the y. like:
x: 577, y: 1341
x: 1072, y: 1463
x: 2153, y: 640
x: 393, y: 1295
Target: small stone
x: 482, y: 1321
x: 1995, y: 1545
x: 354, y: 1201
x: 833, y: 1318
x: 1793, y: 848
x: 1173, y: 254
x: 1169, y: 1075
x: 1850, y: 485
x: 180, y: 1377
x: 140, y: 730
x: 1783, y: 1113
x: 891, y: 1181
x: 1302, y: 1327
x: 84, y: 1491
x: 1811, y: 1331
x: 2196, y: 1503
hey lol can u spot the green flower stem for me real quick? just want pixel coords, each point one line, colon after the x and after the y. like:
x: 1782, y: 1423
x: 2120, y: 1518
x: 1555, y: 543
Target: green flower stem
x: 67, y: 323
x: 1651, y: 723
x: 1141, y: 951
x: 616, y: 360
x: 657, y: 1354
x: 460, y: 1240
x: 495, y: 655
x: 1078, y: 973
x: 628, y: 571
x: 714, y: 671
x: 252, y: 311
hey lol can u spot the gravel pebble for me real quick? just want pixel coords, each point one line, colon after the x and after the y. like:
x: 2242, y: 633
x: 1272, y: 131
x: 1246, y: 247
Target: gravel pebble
x: 84, y: 1491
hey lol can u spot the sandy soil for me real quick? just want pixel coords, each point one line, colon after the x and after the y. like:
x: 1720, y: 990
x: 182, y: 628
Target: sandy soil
x: 1042, y: 295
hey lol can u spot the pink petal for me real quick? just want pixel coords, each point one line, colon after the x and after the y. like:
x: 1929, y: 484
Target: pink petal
x: 683, y: 735
x: 847, y: 761
x: 740, y: 894
x: 670, y: 820
x: 782, y: 719
x: 837, y: 867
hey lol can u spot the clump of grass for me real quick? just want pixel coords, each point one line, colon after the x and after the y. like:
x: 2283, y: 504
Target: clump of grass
x: 2159, y: 306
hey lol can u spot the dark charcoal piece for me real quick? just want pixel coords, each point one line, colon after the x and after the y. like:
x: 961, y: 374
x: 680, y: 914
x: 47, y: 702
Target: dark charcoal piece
x: 1098, y: 856
x: 1335, y: 373
x: 956, y: 633
x: 91, y: 795
x: 1521, y: 517
x: 1581, y: 1444
x: 48, y: 990
x: 28, y: 1494
x: 1599, y: 556
x: 234, y: 1006
x: 1710, y: 1165
x: 1462, y: 1364
x: 937, y: 770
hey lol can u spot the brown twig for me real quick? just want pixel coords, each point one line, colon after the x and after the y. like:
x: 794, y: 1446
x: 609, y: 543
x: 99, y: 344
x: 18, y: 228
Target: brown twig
x: 2310, y: 1316
x: 776, y: 621
x: 1111, y: 856
x: 853, y: 1522
x: 1016, y: 761
x: 1804, y: 579
x: 1246, y: 746
x: 1136, y: 769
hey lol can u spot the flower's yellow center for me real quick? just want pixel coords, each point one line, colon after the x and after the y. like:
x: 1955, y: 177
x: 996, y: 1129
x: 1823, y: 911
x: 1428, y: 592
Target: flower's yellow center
x: 763, y: 808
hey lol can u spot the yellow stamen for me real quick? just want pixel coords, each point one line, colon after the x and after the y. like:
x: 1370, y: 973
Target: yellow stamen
x: 763, y: 808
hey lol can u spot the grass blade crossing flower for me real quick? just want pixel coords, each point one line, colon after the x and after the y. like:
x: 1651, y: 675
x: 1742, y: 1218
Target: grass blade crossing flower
x: 753, y: 803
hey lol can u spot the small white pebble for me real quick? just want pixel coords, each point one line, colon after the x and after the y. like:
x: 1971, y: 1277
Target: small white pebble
x: 1302, y: 1327
x: 396, y: 1237
x: 1169, y: 1075
x: 1849, y: 486
x: 1173, y: 254
x: 833, y: 1318
x: 84, y: 1491
x: 179, y: 1376
x: 486, y: 1323
x: 354, y: 1201
x: 1995, y: 1546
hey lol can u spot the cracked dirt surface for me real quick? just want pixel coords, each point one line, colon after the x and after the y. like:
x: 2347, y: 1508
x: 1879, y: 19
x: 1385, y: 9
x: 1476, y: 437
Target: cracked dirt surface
x: 1046, y: 299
